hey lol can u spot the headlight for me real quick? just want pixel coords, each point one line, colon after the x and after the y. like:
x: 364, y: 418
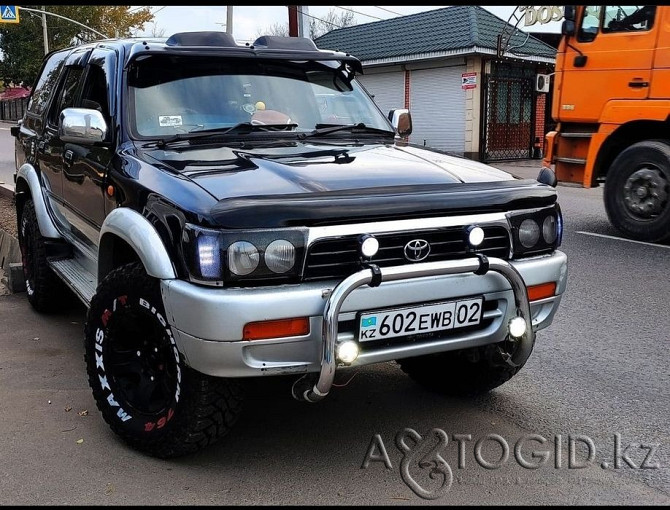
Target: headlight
x: 550, y: 229
x: 280, y: 256
x: 242, y: 258
x: 529, y: 233
x: 218, y: 257
x: 536, y: 231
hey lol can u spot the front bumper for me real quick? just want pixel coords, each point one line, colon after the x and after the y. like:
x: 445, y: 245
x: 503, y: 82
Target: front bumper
x: 208, y: 323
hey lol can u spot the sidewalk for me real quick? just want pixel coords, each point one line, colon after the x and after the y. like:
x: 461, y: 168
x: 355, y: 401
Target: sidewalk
x: 524, y: 168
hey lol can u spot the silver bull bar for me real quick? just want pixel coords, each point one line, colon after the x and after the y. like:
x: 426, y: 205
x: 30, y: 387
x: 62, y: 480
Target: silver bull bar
x: 307, y: 389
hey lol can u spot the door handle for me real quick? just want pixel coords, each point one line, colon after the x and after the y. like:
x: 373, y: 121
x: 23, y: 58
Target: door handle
x: 638, y: 84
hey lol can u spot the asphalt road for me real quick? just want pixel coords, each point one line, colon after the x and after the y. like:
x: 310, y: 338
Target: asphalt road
x: 599, y: 372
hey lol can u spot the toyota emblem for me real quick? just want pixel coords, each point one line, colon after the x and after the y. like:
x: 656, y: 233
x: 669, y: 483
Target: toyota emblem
x: 417, y: 250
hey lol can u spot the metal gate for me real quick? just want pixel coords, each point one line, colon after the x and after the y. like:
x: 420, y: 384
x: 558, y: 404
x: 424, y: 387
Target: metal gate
x: 509, y: 112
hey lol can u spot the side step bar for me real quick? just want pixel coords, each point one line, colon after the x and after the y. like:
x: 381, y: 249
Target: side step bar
x: 574, y: 161
x: 576, y: 135
x: 75, y: 276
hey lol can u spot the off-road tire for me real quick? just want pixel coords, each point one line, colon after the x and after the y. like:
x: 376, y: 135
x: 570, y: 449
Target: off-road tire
x: 463, y: 373
x: 651, y: 154
x: 181, y: 410
x: 46, y: 293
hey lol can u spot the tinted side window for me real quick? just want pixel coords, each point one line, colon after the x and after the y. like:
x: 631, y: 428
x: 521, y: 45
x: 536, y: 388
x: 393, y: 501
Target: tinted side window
x: 95, y: 90
x: 46, y: 83
x: 624, y: 18
x: 67, y: 95
x: 590, y: 22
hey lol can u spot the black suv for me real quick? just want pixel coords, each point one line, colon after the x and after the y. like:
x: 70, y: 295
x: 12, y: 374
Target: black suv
x: 229, y: 211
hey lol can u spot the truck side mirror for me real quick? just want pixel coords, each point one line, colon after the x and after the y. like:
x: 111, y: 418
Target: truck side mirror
x: 569, y: 12
x: 568, y: 27
x: 402, y: 121
x: 82, y: 126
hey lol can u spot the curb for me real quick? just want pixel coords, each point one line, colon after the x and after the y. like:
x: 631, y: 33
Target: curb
x: 10, y: 258
x: 10, y: 252
x: 7, y: 190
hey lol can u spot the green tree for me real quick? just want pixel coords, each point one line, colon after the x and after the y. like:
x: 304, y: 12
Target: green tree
x: 22, y: 44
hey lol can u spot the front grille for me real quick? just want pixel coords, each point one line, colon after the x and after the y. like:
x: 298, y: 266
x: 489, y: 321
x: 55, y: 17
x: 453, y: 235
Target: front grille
x: 338, y: 257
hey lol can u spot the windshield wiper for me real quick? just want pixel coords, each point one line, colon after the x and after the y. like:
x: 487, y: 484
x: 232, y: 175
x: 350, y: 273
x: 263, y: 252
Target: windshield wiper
x: 241, y: 128
x: 360, y: 128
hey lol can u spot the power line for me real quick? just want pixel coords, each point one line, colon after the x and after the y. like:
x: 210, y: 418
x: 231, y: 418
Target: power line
x: 361, y: 13
x: 319, y: 19
x: 388, y: 10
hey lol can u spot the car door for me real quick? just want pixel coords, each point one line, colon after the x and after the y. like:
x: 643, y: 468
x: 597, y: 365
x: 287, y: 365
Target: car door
x: 33, y: 129
x: 618, y: 43
x: 85, y: 166
x: 50, y: 147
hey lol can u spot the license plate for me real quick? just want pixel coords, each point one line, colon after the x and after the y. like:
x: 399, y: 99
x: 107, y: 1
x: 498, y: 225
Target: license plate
x: 416, y: 320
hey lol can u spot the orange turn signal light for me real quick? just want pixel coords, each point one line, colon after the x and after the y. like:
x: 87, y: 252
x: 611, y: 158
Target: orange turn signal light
x: 276, y: 329
x: 544, y: 290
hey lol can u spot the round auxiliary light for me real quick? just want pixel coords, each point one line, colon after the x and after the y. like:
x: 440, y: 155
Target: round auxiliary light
x: 529, y: 233
x: 475, y: 236
x: 549, y: 229
x: 280, y: 256
x: 517, y: 327
x: 243, y: 258
x: 369, y: 246
x: 347, y: 352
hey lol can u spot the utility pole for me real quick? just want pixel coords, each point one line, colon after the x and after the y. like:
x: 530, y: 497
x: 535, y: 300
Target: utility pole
x: 298, y: 21
x: 293, y: 21
x: 44, y: 31
x: 229, y: 19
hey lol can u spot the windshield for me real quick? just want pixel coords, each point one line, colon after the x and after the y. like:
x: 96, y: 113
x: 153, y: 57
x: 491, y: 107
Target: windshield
x: 169, y: 95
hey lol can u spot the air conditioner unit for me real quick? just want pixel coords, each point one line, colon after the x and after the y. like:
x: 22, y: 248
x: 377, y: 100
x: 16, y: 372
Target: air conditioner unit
x: 542, y: 82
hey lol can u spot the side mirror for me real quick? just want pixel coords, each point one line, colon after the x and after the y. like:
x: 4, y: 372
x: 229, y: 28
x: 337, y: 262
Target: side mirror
x: 402, y: 121
x: 569, y: 12
x: 568, y: 27
x: 14, y: 131
x: 82, y: 126
x: 547, y: 176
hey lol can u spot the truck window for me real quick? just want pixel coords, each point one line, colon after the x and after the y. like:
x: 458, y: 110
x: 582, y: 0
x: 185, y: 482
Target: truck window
x: 47, y: 81
x: 95, y: 91
x: 67, y: 95
x: 624, y: 18
x: 590, y: 23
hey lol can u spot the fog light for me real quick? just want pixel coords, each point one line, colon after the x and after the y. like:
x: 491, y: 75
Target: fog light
x: 517, y: 327
x: 475, y: 236
x: 369, y: 246
x: 347, y: 352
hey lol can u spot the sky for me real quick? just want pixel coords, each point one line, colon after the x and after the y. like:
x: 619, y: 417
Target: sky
x: 247, y: 20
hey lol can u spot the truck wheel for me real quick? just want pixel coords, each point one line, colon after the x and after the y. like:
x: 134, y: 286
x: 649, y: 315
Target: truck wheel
x: 463, y: 373
x: 46, y: 293
x: 145, y: 392
x: 637, y: 191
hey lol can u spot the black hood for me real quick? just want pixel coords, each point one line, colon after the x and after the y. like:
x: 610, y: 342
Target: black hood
x: 304, y: 184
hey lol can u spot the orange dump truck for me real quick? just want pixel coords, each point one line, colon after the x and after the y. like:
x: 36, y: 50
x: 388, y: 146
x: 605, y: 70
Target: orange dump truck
x: 612, y: 108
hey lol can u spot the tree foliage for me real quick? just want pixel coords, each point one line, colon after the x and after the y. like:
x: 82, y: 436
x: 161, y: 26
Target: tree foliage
x: 22, y: 44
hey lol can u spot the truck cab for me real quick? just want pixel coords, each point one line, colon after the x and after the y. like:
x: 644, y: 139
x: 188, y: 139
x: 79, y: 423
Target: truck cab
x: 612, y: 108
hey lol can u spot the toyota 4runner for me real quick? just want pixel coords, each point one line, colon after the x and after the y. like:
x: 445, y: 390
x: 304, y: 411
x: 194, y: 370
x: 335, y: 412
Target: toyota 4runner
x: 231, y: 211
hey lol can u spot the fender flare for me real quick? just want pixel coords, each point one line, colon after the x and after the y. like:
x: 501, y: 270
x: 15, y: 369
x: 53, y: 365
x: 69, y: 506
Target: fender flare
x: 46, y: 225
x: 141, y: 236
